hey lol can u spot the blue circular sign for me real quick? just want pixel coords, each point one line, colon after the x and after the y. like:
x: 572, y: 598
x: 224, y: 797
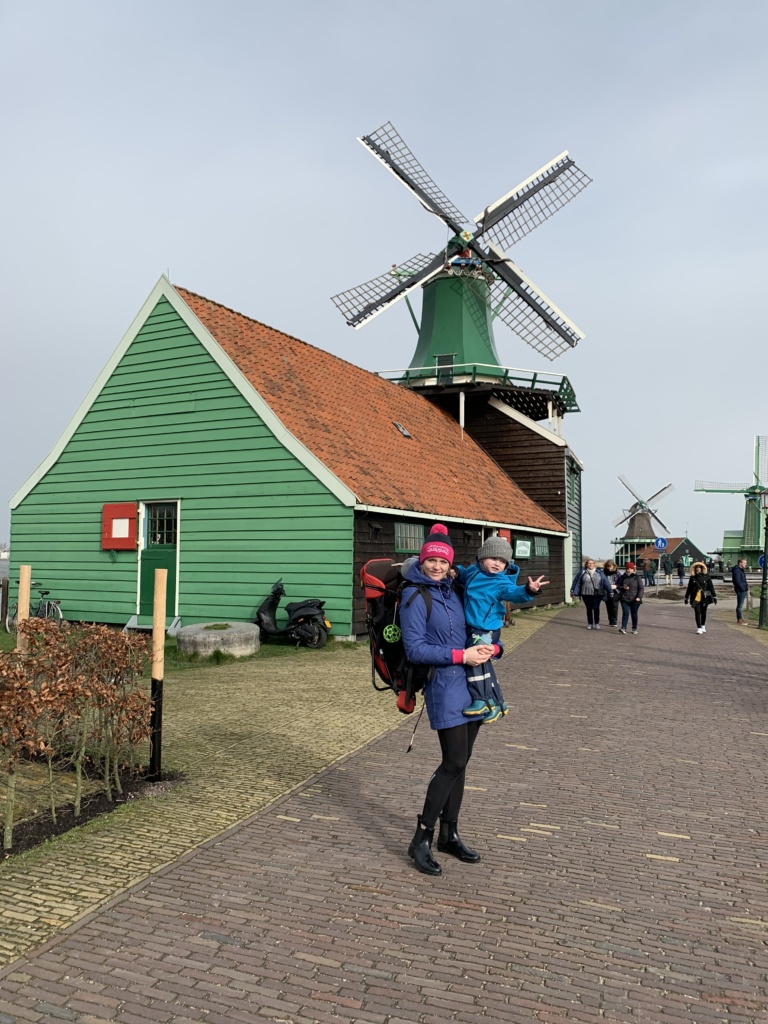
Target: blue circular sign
x: 761, y: 561
x: 660, y: 543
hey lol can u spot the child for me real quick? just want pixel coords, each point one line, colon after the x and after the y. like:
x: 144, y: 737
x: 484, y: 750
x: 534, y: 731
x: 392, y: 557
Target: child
x: 486, y: 587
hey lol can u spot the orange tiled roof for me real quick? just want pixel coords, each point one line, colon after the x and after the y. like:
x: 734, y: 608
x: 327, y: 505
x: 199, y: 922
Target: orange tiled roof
x: 346, y: 417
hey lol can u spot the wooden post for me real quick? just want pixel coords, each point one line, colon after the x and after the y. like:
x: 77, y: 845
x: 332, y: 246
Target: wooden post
x: 25, y: 581
x: 158, y: 670
x: 3, y: 598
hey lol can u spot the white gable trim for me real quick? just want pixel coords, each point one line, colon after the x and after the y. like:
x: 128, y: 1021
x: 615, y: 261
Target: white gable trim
x: 165, y: 290
x: 438, y: 516
x: 527, y: 422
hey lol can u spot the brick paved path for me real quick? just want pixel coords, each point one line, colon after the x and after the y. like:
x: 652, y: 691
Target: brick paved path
x: 620, y: 814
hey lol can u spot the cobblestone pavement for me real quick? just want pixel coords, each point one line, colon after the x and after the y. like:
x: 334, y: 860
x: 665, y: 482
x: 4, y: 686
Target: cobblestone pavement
x: 620, y: 813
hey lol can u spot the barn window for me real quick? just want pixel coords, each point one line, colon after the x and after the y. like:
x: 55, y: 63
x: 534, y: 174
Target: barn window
x: 541, y: 547
x: 409, y: 537
x: 161, y: 528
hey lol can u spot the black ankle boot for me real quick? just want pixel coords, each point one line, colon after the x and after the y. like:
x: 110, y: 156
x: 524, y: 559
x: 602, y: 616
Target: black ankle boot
x: 421, y: 850
x: 449, y: 841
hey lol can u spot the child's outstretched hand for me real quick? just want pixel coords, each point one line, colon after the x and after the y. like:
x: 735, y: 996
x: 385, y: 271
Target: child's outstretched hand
x: 536, y: 585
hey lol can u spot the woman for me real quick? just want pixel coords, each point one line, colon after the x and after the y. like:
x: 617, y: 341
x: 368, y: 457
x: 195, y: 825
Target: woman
x: 612, y: 574
x: 631, y: 594
x: 438, y: 639
x: 701, y: 593
x: 592, y: 587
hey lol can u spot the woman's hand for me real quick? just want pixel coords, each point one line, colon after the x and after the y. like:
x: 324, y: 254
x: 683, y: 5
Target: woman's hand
x: 478, y: 655
x: 535, y: 585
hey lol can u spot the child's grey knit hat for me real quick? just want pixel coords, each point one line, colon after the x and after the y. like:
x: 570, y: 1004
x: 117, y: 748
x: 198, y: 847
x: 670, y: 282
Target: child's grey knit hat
x: 496, y: 547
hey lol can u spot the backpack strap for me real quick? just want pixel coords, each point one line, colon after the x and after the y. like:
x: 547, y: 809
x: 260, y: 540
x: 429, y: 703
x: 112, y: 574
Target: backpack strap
x: 419, y: 588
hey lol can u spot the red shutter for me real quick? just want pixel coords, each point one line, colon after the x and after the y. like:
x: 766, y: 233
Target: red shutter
x: 118, y: 526
x: 506, y: 535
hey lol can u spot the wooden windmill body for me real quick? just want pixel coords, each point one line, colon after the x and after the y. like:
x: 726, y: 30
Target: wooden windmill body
x: 640, y: 518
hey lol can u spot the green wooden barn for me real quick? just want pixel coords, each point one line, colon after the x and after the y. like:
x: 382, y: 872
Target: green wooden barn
x: 232, y: 454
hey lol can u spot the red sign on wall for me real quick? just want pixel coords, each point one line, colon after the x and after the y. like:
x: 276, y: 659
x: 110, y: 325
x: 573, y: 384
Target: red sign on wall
x: 118, y: 526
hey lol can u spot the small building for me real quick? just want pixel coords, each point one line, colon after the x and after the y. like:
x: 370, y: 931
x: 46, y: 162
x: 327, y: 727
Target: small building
x: 677, y: 547
x: 232, y: 454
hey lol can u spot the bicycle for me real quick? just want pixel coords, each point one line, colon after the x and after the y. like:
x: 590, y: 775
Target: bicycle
x: 45, y: 609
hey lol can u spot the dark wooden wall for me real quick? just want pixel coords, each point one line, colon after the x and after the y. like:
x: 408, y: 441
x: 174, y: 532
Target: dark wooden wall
x: 375, y: 538
x: 536, y: 464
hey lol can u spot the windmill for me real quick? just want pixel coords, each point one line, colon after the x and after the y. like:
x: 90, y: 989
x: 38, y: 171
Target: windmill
x: 747, y: 543
x: 639, y: 518
x: 471, y: 281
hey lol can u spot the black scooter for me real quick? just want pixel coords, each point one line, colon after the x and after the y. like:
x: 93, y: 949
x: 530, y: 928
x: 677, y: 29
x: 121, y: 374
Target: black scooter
x: 306, y: 625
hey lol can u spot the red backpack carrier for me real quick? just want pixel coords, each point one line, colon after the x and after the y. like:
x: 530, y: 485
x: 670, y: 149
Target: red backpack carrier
x: 385, y: 590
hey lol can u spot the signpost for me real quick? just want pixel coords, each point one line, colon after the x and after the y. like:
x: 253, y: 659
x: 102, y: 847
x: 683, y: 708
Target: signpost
x: 661, y: 545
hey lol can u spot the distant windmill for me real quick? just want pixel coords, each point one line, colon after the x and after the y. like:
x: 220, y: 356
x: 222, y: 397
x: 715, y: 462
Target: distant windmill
x: 639, y: 517
x: 751, y: 538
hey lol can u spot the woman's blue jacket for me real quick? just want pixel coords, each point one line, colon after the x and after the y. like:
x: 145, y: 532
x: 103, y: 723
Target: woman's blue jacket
x: 432, y: 641
x: 603, y: 583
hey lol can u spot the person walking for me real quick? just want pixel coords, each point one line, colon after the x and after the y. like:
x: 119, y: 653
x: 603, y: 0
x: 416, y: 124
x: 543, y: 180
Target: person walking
x: 667, y: 565
x: 612, y: 576
x: 700, y: 594
x: 680, y: 566
x: 740, y: 585
x: 592, y: 587
x: 631, y: 595
x: 436, y: 637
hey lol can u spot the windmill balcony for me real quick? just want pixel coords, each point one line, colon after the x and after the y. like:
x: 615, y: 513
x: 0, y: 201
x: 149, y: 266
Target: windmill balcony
x: 554, y: 385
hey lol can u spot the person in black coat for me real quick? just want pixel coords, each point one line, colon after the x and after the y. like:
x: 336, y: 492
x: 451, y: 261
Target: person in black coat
x: 700, y: 593
x: 612, y: 576
x: 631, y: 595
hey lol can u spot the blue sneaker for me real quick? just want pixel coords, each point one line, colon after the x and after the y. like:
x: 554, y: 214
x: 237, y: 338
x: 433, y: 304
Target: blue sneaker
x: 477, y: 707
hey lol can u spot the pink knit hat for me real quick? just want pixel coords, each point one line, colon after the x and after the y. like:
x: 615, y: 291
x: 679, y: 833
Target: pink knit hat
x: 437, y: 544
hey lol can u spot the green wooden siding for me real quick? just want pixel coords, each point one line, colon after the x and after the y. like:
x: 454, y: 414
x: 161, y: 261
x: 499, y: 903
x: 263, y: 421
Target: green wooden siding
x: 170, y: 425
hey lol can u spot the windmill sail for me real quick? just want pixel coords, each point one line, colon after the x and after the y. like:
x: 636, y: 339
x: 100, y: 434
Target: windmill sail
x: 367, y: 300
x: 388, y: 146
x: 532, y: 202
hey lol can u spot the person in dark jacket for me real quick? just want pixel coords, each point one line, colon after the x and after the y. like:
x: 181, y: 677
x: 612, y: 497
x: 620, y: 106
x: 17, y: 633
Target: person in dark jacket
x: 592, y: 587
x: 631, y: 594
x: 438, y: 639
x: 700, y: 594
x: 680, y: 566
x: 740, y: 585
x: 612, y: 576
x: 667, y: 565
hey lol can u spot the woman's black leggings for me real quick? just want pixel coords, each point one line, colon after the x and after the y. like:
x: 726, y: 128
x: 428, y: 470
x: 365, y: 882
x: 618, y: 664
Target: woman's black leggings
x: 700, y: 611
x: 446, y: 787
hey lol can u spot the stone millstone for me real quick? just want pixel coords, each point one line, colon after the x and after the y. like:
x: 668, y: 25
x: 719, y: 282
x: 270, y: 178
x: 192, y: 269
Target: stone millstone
x: 240, y: 639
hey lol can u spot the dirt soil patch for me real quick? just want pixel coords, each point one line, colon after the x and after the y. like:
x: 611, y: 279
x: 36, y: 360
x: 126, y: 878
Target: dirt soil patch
x: 39, y: 829
x: 667, y: 593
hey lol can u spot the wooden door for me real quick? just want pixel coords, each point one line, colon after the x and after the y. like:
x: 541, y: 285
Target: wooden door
x: 161, y: 540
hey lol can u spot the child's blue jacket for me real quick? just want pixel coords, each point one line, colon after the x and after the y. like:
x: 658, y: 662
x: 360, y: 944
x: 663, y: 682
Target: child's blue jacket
x: 485, y: 593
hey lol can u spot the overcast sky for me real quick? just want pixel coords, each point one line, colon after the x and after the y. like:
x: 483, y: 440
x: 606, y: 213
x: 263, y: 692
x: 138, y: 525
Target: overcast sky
x: 215, y: 141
